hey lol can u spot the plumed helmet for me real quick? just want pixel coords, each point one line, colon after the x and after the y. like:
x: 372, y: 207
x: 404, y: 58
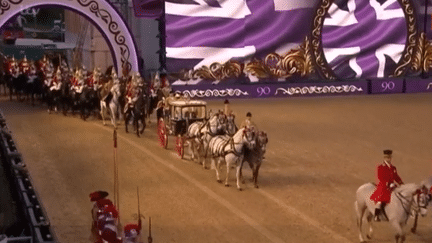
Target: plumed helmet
x: 98, y: 195
x: 110, y: 209
x: 157, y: 76
x: 101, y: 203
x: 131, y: 230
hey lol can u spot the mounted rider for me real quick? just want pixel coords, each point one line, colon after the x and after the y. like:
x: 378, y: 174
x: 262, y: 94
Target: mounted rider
x: 32, y: 74
x: 49, y: 75
x: 134, y: 90
x: 93, y: 81
x: 43, y: 64
x: 388, y: 179
x: 11, y: 66
x: 79, y: 82
x: 57, y: 81
x: 24, y: 66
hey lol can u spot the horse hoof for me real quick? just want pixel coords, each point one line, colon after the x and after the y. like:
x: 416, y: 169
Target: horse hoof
x: 413, y: 230
x: 369, y: 237
x: 239, y: 189
x: 226, y: 185
x: 256, y: 186
x: 219, y: 181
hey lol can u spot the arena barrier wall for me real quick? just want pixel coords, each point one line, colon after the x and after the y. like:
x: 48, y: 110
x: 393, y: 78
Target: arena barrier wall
x: 38, y: 227
x: 287, y: 90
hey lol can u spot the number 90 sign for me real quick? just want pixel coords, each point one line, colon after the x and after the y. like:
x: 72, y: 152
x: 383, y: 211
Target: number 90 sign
x: 263, y: 91
x: 387, y: 86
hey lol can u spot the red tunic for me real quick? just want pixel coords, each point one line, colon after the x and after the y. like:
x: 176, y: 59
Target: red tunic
x: 386, y: 175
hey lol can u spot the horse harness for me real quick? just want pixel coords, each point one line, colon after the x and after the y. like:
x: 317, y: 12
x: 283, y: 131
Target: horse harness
x: 405, y: 202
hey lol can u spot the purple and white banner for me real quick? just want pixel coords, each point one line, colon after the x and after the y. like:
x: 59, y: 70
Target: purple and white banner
x: 364, y: 38
x: 360, y: 38
x: 273, y: 90
x: 202, y: 32
x: 415, y: 85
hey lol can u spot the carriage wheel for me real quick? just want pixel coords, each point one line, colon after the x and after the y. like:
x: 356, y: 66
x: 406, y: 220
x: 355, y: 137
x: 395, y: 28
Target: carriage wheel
x: 180, y: 146
x: 162, y: 133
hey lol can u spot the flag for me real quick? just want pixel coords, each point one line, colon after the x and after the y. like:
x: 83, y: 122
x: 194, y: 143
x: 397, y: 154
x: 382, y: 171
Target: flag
x: 202, y: 32
x: 364, y: 38
x: 150, y: 9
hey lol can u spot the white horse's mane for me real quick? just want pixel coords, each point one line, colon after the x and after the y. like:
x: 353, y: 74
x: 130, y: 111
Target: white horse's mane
x: 407, y: 189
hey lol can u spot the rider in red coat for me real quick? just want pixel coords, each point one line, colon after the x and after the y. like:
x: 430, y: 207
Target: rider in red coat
x: 387, y: 177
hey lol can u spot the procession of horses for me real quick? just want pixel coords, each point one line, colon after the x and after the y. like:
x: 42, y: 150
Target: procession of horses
x: 209, y: 135
x: 130, y: 100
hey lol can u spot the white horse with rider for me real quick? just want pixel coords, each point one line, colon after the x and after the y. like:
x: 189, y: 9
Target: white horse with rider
x: 110, y: 98
x: 404, y: 200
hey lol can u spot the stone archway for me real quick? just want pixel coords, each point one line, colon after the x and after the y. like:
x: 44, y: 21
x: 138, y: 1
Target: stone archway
x: 101, y: 13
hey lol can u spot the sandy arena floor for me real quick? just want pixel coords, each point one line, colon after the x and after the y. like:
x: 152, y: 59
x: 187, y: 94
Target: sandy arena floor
x: 320, y: 151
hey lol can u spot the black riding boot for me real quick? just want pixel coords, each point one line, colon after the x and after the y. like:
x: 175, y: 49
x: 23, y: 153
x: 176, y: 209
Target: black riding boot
x: 377, y: 212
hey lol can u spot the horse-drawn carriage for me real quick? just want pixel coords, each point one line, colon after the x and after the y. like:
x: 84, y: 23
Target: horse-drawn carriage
x: 177, y: 118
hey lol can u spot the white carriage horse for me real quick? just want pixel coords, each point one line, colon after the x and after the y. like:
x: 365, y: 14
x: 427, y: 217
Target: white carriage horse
x: 231, y: 127
x: 255, y: 157
x: 398, y: 210
x: 200, y: 134
x: 232, y: 150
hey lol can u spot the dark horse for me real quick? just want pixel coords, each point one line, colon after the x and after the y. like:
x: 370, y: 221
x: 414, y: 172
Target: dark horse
x: 34, y: 87
x: 88, y: 102
x: 18, y: 85
x: 137, y: 113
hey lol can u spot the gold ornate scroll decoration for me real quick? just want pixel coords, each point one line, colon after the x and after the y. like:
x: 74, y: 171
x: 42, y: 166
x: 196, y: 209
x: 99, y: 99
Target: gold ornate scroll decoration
x: 216, y: 71
x: 417, y: 63
x: 295, y: 62
x: 409, y: 55
x: 422, y: 60
x: 427, y: 56
x: 316, y: 42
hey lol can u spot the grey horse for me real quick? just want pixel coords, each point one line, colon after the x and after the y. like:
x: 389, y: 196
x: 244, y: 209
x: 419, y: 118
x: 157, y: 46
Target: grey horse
x: 398, y: 210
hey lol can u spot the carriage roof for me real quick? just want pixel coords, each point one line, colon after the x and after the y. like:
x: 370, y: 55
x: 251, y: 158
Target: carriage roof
x: 188, y: 103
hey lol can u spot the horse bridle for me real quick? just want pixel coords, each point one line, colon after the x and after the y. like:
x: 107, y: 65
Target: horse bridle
x: 422, y: 205
x: 416, y: 206
x: 231, y: 142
